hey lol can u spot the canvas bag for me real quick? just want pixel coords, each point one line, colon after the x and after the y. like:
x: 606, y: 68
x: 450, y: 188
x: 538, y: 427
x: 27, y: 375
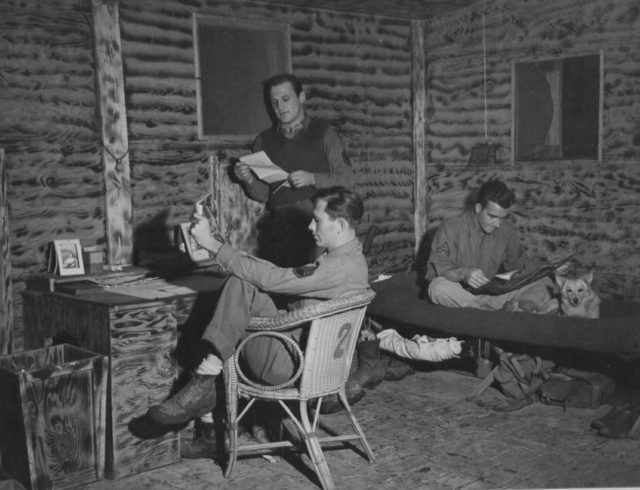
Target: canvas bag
x: 575, y: 388
x: 519, y: 377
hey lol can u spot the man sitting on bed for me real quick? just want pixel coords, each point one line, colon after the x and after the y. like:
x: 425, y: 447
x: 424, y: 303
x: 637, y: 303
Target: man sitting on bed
x: 468, y: 250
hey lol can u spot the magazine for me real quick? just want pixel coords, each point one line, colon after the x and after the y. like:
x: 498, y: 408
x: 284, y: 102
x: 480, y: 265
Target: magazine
x: 207, y: 207
x: 509, y: 281
x: 189, y: 245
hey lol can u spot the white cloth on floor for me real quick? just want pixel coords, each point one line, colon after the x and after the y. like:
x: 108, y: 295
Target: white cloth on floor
x: 420, y: 347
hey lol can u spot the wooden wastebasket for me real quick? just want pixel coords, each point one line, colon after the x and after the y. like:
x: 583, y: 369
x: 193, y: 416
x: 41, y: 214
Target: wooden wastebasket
x: 53, y: 416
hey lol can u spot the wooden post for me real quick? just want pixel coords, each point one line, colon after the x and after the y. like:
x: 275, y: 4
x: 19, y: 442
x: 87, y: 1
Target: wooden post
x: 418, y: 66
x: 112, y: 109
x: 6, y: 290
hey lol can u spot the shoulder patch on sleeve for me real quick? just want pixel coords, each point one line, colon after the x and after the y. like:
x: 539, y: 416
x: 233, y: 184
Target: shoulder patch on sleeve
x: 305, y: 270
x: 444, y: 249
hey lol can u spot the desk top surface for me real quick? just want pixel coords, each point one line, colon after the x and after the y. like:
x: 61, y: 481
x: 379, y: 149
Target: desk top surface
x: 144, y: 289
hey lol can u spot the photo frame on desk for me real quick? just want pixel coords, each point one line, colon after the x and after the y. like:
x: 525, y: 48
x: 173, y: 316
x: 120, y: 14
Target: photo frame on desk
x: 65, y: 258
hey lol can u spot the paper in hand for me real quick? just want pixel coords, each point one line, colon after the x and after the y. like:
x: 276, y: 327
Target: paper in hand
x: 264, y: 168
x: 513, y: 280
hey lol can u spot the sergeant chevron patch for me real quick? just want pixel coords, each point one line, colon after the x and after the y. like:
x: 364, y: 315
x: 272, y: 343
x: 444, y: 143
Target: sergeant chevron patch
x: 444, y: 249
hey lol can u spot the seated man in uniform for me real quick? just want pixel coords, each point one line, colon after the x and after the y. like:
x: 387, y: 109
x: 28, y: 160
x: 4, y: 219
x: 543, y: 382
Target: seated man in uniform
x: 468, y: 250
x: 340, y: 271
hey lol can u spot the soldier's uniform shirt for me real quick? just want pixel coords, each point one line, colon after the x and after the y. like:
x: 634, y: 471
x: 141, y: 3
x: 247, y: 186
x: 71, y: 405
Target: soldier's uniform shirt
x: 340, y: 272
x: 460, y: 242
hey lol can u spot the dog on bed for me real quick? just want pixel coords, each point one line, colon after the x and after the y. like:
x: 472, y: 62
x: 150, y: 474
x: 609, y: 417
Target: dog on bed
x: 577, y: 298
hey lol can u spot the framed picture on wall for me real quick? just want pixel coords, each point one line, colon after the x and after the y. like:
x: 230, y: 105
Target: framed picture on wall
x: 232, y: 59
x: 65, y: 258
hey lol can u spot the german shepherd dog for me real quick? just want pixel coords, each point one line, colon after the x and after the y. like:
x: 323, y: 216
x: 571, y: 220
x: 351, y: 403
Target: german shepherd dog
x: 577, y: 298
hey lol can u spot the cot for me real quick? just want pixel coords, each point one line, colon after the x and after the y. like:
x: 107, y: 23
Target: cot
x: 399, y: 302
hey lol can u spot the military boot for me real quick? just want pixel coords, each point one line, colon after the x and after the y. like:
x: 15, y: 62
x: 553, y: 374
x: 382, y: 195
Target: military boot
x: 331, y: 403
x: 371, y: 367
x: 396, y: 369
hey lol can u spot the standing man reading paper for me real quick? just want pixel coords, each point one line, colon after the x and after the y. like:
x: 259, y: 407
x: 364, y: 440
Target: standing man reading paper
x: 314, y: 156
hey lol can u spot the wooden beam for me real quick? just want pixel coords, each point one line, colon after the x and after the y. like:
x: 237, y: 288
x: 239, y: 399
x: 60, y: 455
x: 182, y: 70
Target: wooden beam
x: 112, y: 109
x: 419, y: 89
x: 6, y: 290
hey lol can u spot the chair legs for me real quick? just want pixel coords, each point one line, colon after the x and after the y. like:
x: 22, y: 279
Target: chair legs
x: 233, y: 448
x: 232, y: 427
x: 356, y: 426
x: 307, y: 428
x: 315, y: 450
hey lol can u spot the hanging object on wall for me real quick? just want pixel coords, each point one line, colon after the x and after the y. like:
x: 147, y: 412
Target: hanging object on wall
x: 484, y: 154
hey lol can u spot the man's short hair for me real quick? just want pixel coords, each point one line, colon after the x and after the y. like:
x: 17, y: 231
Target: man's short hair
x: 341, y: 203
x: 495, y: 191
x: 279, y: 79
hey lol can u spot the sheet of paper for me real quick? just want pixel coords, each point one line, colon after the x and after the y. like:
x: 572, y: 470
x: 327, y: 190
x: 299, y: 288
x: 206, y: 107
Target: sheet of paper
x: 506, y: 275
x: 156, y: 289
x: 264, y: 168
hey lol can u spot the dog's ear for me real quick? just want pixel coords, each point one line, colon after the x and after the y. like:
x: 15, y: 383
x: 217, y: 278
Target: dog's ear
x: 560, y: 280
x: 588, y: 277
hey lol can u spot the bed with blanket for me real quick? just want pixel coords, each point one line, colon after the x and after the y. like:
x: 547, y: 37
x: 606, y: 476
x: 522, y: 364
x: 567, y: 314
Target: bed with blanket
x: 400, y: 302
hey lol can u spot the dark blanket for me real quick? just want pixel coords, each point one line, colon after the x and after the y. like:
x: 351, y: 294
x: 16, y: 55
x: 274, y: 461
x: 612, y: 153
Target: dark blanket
x: 616, y: 331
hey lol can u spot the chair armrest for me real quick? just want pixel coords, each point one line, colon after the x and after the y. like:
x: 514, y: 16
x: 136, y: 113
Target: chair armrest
x: 297, y: 317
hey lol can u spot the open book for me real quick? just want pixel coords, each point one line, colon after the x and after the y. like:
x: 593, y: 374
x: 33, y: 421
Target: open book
x: 265, y: 169
x: 506, y: 282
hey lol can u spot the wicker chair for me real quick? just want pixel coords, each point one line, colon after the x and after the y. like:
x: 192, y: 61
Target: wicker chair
x: 323, y: 368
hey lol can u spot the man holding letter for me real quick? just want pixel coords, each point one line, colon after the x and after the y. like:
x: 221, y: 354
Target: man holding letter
x: 313, y: 156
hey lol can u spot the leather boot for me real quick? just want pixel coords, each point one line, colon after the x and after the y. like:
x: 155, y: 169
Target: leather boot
x: 194, y: 400
x: 371, y: 367
x: 331, y: 403
x: 396, y: 369
x: 203, y: 444
x: 354, y: 392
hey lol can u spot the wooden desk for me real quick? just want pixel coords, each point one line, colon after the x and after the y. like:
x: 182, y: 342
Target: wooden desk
x: 140, y: 336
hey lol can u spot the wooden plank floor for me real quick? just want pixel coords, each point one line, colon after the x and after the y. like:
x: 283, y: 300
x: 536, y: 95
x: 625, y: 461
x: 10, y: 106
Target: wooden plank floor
x: 426, y: 436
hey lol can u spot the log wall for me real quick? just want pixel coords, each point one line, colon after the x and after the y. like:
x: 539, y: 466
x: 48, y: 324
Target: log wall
x: 357, y: 74
x: 591, y: 208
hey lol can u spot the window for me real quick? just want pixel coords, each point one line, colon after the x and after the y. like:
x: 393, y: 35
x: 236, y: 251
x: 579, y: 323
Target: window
x: 232, y: 59
x: 558, y: 113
